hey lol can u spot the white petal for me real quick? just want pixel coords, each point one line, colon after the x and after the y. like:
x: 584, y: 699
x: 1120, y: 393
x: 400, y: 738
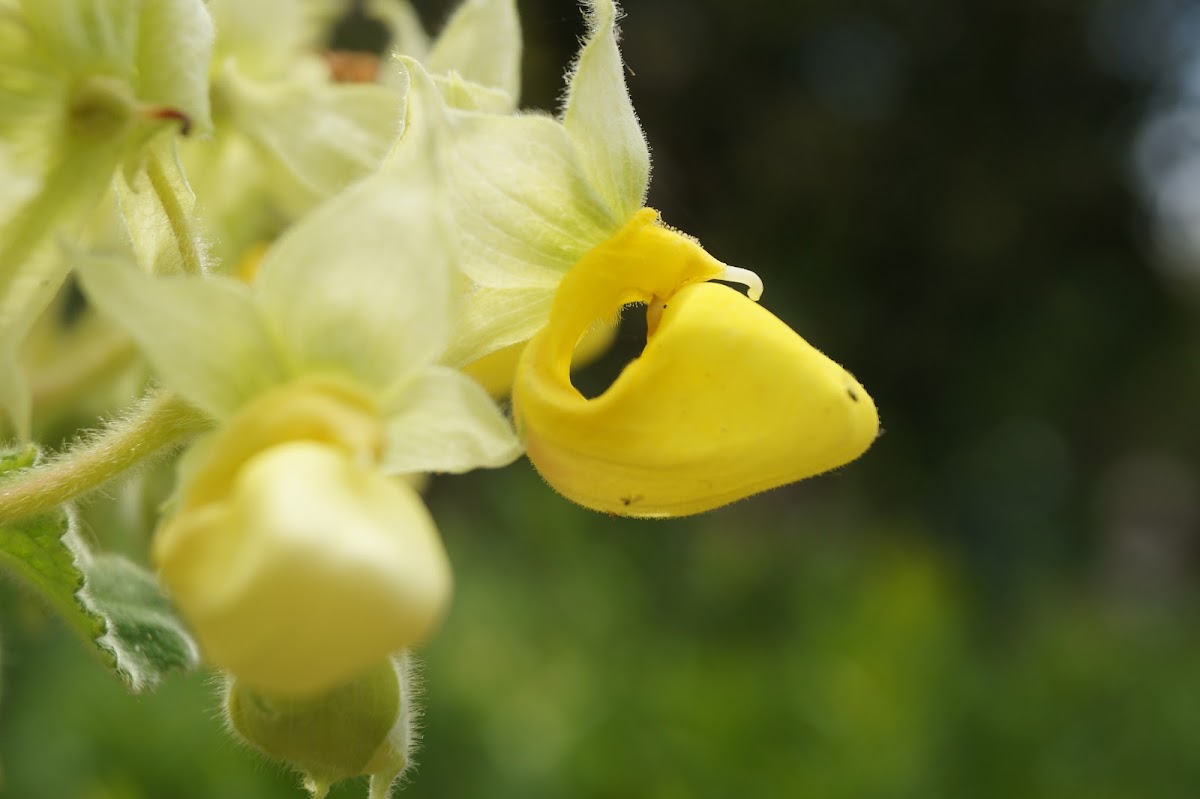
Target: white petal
x: 600, y: 119
x: 204, y: 336
x: 445, y: 422
x: 364, y: 283
x: 482, y: 43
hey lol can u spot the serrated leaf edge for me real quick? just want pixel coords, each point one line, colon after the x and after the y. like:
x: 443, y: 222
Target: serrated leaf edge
x: 126, y: 662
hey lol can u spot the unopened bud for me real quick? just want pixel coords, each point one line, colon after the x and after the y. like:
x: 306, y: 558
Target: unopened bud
x: 360, y: 727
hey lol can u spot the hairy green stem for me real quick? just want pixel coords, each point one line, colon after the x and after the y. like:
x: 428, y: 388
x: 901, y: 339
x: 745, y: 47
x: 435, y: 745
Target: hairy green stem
x: 183, y: 226
x: 161, y: 421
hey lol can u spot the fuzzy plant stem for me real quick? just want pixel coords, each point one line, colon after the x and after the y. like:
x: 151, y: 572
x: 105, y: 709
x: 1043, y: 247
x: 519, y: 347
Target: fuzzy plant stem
x: 160, y: 421
x: 183, y: 226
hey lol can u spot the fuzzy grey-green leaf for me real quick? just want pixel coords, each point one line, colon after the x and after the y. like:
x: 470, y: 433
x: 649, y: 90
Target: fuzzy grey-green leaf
x: 110, y: 602
x: 143, y: 633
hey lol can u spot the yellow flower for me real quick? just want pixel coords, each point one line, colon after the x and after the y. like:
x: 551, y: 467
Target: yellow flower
x: 553, y: 236
x: 725, y: 400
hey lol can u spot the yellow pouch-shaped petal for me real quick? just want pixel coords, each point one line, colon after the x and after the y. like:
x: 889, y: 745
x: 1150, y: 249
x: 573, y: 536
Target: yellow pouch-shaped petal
x: 724, y: 402
x: 312, y: 570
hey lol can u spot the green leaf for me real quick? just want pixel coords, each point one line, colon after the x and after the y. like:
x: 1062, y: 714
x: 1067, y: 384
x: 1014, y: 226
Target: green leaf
x: 143, y: 633
x: 110, y: 602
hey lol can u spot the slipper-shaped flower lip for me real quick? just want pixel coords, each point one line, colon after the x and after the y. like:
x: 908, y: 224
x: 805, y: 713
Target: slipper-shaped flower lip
x: 725, y: 400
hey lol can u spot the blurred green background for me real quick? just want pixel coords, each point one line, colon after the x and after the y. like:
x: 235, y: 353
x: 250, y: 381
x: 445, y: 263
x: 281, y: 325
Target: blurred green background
x: 999, y: 600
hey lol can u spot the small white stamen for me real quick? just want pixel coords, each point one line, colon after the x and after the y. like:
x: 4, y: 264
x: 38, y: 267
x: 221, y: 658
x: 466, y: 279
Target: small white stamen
x: 744, y: 277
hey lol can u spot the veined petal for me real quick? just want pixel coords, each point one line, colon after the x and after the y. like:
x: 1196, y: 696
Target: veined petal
x: 725, y: 400
x: 313, y: 570
x: 100, y: 36
x: 318, y: 136
x: 445, y: 422
x: 522, y: 205
x: 600, y: 119
x: 490, y: 319
x: 204, y: 337
x: 364, y: 283
x: 482, y: 43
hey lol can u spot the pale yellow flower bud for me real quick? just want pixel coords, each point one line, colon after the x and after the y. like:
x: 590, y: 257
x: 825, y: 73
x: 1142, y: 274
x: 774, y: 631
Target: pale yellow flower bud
x: 296, y: 562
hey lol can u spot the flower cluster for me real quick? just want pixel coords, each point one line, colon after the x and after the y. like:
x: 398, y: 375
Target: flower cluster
x: 340, y: 262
